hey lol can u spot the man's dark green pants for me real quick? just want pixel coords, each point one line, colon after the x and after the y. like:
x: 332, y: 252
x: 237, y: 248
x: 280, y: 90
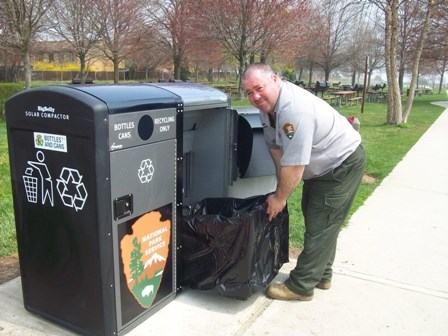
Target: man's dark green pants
x: 326, y: 201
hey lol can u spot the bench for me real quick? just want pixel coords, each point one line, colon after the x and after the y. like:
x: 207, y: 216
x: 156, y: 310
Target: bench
x: 78, y: 81
x: 331, y: 99
x: 354, y: 99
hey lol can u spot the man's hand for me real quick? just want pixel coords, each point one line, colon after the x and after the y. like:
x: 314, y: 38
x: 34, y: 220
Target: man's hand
x: 275, y: 206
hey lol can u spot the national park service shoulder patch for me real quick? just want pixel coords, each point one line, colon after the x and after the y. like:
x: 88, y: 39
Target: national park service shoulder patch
x: 288, y: 128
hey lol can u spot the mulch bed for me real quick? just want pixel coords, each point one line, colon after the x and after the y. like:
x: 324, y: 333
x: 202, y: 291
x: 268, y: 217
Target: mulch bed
x: 9, y: 268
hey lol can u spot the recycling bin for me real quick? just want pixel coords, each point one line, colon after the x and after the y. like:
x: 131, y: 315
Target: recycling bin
x: 96, y: 184
x: 100, y: 175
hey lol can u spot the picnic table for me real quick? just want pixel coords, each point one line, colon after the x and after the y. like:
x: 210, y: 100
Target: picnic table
x: 346, y: 96
x: 376, y: 97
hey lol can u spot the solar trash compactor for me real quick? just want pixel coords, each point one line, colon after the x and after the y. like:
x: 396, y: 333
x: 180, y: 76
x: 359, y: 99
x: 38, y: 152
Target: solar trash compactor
x: 100, y: 175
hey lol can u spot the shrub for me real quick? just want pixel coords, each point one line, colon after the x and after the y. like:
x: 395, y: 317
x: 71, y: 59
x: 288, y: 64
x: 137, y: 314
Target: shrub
x: 6, y: 91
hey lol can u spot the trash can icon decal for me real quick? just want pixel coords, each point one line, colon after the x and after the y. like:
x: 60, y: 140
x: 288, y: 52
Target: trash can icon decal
x: 37, y: 176
x: 144, y: 253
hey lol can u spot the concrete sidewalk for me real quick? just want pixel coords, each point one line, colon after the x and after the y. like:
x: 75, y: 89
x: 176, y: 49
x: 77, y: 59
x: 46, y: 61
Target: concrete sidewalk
x: 390, y: 271
x: 392, y: 262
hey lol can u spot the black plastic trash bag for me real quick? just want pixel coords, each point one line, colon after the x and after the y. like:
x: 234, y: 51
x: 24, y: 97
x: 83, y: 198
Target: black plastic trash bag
x: 231, y: 248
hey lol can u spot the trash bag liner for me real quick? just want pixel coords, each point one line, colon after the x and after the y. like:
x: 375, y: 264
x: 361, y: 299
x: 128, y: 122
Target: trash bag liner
x: 230, y: 247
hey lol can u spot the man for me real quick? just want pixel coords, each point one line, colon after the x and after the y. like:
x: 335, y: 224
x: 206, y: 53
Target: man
x: 310, y: 141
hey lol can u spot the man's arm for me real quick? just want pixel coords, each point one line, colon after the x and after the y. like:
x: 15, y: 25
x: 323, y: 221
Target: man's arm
x: 276, y: 155
x: 288, y: 178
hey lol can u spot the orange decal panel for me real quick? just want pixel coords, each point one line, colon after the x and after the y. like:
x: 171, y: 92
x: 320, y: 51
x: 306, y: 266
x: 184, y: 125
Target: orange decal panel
x: 144, y: 254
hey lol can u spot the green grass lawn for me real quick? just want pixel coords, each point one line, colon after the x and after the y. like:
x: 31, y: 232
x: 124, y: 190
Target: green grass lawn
x: 386, y: 145
x: 8, y: 244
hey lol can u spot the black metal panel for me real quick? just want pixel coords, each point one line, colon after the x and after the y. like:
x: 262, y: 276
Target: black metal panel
x: 59, y: 181
x: 60, y: 157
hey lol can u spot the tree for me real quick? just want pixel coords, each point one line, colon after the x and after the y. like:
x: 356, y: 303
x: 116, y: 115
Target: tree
x: 77, y: 22
x: 279, y: 35
x: 334, y: 21
x: 375, y: 51
x: 428, y: 11
x: 368, y: 42
x: 123, y: 27
x: 306, y: 52
x: 22, y: 21
x: 441, y: 66
x: 411, y: 18
x: 390, y: 8
x: 170, y: 20
x: 9, y: 60
x: 150, y: 56
x: 247, y: 28
x: 205, y: 54
x: 233, y: 24
x: 436, y: 50
x: 391, y: 36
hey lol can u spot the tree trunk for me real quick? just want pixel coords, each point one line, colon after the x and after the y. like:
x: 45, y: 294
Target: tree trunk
x: 300, y: 74
x: 369, y: 78
x: 401, y: 77
x: 177, y: 62
x: 263, y: 57
x: 82, y: 61
x: 441, y: 82
x: 416, y: 62
x: 252, y: 58
x: 116, y: 71
x: 27, y: 67
x: 394, y: 97
x: 240, y: 70
x: 210, y: 75
x: 310, y: 77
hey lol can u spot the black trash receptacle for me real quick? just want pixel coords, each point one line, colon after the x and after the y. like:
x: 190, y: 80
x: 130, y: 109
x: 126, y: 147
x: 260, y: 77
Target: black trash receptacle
x: 95, y: 182
x: 231, y: 248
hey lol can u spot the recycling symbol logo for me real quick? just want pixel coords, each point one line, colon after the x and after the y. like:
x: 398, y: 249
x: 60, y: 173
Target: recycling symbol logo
x: 146, y: 171
x: 71, y: 189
